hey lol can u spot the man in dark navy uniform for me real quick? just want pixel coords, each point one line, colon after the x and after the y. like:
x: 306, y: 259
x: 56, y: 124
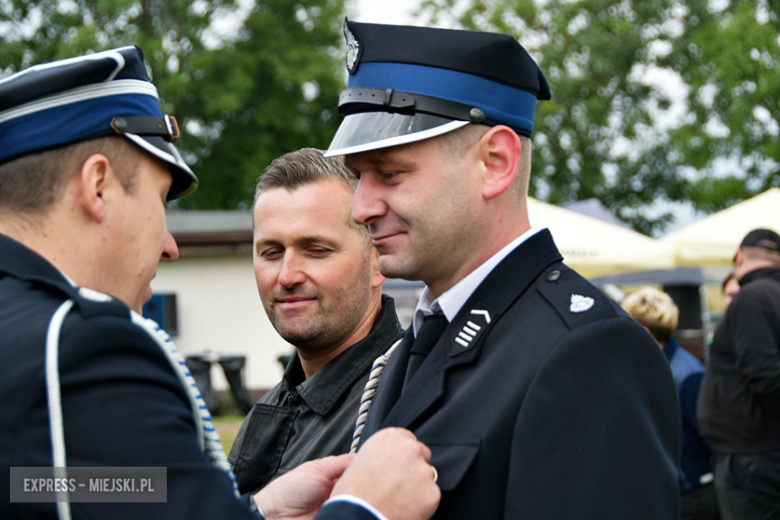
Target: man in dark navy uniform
x: 538, y: 396
x: 86, y: 166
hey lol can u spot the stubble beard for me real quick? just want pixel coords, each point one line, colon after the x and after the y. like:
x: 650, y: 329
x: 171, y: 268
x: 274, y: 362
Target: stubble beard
x: 331, y: 322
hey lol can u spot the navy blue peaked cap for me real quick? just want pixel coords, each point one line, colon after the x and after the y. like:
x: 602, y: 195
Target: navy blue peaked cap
x: 101, y: 94
x: 411, y: 83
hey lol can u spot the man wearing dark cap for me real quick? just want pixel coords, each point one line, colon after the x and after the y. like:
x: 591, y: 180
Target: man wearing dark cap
x: 537, y: 395
x: 86, y: 166
x: 739, y: 405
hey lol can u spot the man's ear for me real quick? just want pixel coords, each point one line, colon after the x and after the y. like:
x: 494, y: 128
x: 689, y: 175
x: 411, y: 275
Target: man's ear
x: 739, y: 258
x: 377, y: 278
x: 94, y: 176
x: 500, y: 155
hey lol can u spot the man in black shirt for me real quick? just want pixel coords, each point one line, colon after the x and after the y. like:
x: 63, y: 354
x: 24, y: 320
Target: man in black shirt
x: 319, y: 281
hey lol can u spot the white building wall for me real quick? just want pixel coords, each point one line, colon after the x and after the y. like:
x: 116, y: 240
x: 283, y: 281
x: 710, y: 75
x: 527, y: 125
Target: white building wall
x: 220, y: 311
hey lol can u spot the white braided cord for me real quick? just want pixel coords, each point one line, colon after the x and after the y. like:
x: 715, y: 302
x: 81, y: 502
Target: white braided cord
x: 368, y: 395
x: 207, y: 434
x: 54, y: 402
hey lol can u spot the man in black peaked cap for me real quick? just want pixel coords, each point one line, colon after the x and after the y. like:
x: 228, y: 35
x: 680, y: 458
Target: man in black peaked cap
x: 86, y: 166
x: 537, y: 395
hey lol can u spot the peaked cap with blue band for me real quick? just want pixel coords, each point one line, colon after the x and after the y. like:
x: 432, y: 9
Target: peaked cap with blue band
x: 101, y: 94
x: 412, y: 83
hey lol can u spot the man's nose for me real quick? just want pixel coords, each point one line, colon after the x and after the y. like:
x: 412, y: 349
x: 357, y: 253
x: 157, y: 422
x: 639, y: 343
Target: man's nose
x: 170, y: 249
x: 367, y: 204
x: 291, y: 271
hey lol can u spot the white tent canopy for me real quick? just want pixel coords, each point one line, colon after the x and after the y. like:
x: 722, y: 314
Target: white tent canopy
x: 714, y: 240
x: 596, y: 248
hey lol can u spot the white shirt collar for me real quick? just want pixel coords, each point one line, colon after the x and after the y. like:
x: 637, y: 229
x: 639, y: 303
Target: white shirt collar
x: 451, y: 301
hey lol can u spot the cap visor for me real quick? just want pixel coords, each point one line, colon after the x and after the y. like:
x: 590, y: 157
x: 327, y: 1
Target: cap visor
x: 184, y: 181
x: 374, y: 130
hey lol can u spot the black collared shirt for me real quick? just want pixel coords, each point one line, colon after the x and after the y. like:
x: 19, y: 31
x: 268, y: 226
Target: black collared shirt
x: 301, y: 420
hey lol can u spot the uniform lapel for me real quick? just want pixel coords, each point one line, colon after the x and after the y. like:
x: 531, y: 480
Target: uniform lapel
x: 390, y: 385
x: 426, y: 387
x: 507, y: 282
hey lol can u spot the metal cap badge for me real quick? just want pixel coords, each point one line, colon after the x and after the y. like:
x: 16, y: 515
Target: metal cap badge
x: 353, y: 48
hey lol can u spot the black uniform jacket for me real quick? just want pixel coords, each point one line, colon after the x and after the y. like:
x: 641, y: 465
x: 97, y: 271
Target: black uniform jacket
x: 122, y: 403
x: 305, y: 419
x: 553, y: 404
x: 739, y: 403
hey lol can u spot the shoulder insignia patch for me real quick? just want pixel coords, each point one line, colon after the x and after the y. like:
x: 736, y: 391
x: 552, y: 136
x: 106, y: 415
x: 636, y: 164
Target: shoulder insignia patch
x: 93, y: 295
x: 580, y: 303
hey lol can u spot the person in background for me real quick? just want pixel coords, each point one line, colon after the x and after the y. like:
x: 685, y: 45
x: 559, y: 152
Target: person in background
x: 729, y: 288
x: 739, y: 405
x: 317, y: 274
x: 656, y: 312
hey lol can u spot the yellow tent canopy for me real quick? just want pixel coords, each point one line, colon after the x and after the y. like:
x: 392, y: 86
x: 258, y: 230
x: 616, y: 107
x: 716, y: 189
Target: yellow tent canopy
x: 714, y: 240
x: 594, y: 247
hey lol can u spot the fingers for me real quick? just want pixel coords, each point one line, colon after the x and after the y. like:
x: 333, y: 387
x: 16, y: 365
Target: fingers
x: 400, y: 436
x: 301, y: 492
x: 426, y: 452
x: 392, y: 472
x: 330, y: 468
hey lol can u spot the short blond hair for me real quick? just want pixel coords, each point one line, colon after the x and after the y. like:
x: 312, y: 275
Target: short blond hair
x: 655, y: 310
x: 33, y: 183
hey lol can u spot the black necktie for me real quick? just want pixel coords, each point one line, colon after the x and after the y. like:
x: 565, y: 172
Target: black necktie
x: 430, y: 331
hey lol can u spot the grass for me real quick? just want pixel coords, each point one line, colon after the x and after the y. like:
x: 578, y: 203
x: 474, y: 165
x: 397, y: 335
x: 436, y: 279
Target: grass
x: 227, y: 425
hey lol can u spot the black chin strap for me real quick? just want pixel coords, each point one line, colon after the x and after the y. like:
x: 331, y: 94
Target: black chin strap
x: 351, y: 99
x: 165, y: 126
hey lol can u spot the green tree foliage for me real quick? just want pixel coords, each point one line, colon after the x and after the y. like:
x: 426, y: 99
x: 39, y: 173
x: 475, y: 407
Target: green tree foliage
x: 243, y: 96
x: 653, y: 100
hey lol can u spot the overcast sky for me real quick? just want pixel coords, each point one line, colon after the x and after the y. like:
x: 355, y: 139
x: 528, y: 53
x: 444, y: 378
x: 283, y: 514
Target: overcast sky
x: 396, y: 12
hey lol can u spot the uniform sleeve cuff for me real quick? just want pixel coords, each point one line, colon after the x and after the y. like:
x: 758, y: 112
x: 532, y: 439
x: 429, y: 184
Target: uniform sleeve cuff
x: 358, y: 502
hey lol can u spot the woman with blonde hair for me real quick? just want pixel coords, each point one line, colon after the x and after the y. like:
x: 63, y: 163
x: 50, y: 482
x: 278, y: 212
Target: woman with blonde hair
x: 655, y: 311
